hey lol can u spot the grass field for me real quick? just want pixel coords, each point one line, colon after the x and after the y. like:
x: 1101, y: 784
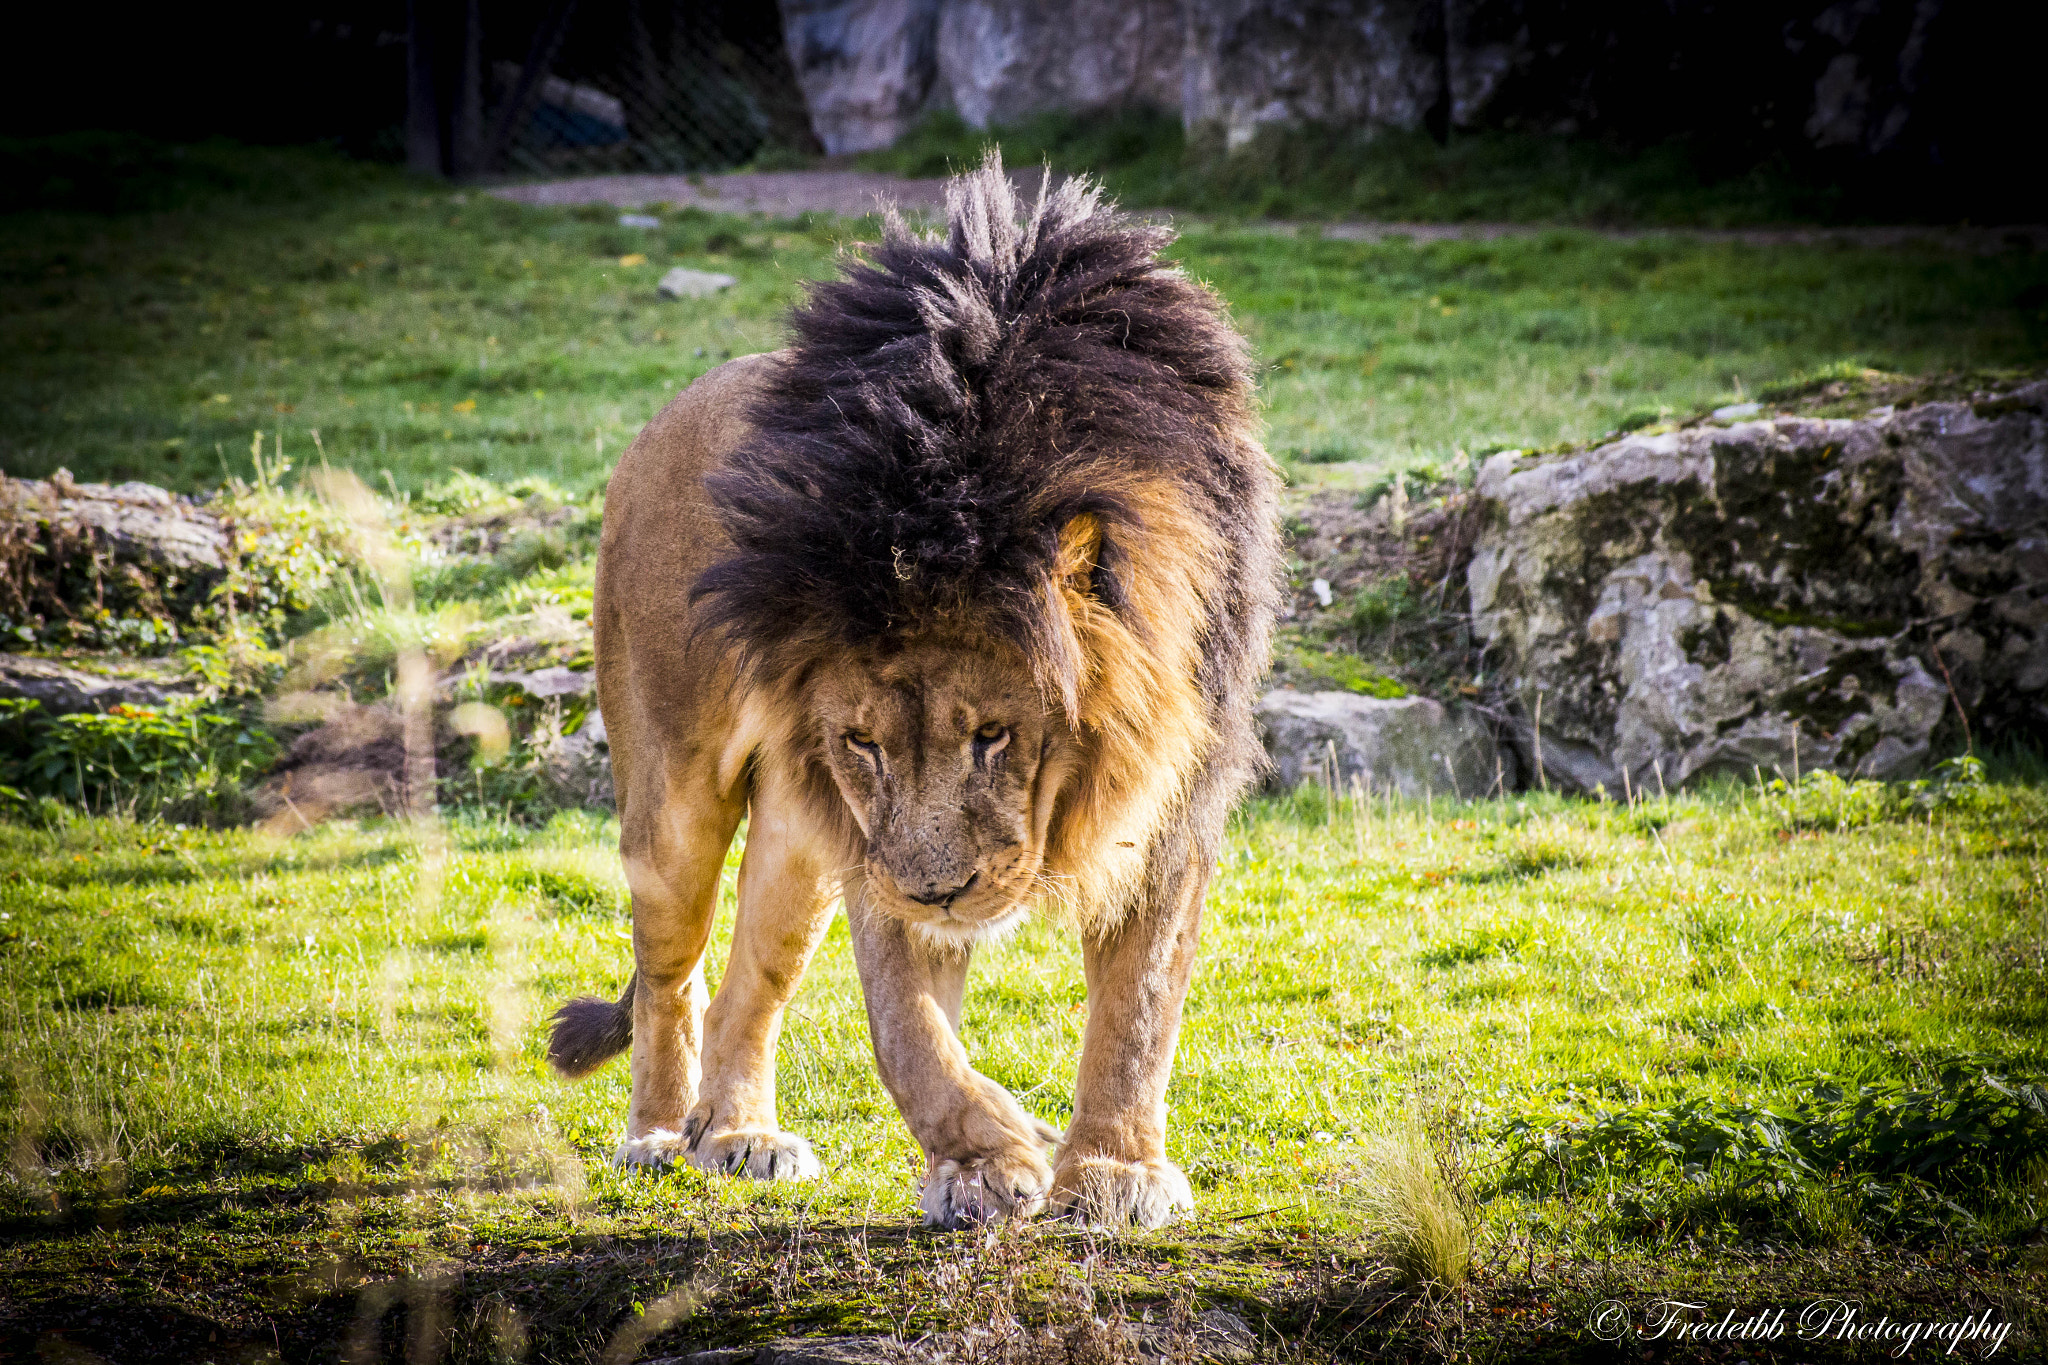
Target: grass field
x: 421, y: 333
x: 1749, y: 1047
x: 252, y: 1082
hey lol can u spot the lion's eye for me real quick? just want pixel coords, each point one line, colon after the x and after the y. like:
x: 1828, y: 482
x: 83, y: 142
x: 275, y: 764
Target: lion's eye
x: 990, y: 733
x: 861, y: 739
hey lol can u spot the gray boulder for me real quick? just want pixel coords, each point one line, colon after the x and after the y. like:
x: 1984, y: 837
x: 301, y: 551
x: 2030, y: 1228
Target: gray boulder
x: 1786, y: 591
x: 1001, y: 60
x: 136, y: 522
x: 1418, y: 746
x: 64, y: 690
x: 866, y: 67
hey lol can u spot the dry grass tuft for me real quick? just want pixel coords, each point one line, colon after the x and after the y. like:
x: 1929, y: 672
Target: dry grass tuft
x: 1418, y: 1201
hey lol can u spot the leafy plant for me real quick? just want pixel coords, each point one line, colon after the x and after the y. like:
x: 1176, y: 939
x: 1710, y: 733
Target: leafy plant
x: 1903, y: 1155
x: 190, y: 759
x: 1824, y: 800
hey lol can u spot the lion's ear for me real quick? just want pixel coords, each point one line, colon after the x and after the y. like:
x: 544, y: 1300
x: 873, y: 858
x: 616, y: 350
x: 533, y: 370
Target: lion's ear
x: 1080, y: 548
x: 1062, y: 658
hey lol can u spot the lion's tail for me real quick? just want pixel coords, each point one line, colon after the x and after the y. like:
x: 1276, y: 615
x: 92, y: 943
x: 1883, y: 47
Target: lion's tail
x: 590, y: 1031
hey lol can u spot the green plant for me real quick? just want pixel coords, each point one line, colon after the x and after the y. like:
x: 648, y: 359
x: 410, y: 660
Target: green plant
x: 189, y: 757
x: 1823, y: 800
x: 1898, y: 1155
x: 1377, y: 607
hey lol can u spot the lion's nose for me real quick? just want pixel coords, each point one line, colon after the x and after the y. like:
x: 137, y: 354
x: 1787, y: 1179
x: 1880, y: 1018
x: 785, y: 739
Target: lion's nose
x: 944, y: 897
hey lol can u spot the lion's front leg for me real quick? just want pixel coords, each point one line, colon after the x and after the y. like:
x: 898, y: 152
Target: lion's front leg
x: 985, y: 1156
x: 1113, y: 1170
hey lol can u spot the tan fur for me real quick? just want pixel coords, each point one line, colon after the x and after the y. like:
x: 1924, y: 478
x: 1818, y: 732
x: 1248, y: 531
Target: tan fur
x: 868, y: 771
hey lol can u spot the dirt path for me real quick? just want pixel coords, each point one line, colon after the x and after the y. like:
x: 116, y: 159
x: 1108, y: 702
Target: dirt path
x: 784, y: 194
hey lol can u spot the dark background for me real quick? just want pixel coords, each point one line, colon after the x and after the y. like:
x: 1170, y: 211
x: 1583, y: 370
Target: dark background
x: 1732, y: 81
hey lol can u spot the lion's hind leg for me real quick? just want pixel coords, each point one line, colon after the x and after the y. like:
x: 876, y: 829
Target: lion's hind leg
x: 673, y: 845
x: 785, y: 903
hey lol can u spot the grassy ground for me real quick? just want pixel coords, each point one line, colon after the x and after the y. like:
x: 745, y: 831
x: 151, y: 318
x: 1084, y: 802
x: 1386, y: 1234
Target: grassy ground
x: 419, y: 332
x: 1748, y: 1048
x: 270, y: 1095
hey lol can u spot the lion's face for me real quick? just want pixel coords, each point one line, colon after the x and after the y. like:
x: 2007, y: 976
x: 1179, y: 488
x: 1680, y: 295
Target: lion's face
x: 941, y: 752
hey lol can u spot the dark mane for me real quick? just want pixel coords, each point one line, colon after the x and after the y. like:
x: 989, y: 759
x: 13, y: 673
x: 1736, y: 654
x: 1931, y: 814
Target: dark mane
x: 950, y: 405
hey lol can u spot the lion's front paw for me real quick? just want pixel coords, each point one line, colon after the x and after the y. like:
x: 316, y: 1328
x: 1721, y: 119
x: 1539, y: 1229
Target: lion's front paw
x: 1107, y: 1192
x: 984, y: 1189
x: 757, y: 1153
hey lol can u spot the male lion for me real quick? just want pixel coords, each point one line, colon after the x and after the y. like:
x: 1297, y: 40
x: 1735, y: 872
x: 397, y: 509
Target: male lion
x: 961, y: 600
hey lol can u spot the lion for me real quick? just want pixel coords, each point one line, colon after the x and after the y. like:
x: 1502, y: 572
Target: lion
x: 961, y: 601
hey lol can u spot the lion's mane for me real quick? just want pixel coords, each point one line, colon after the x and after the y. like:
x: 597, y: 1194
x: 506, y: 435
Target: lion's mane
x: 1029, y: 430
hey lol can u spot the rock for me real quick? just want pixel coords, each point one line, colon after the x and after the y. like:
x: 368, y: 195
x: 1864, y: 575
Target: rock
x: 578, y: 766
x: 120, y: 567
x: 1784, y: 591
x: 1002, y: 60
x: 1418, y: 746
x: 684, y: 283
x: 1213, y: 1335
x: 543, y: 683
x: 1365, y: 64
x: 134, y: 522
x: 866, y: 67
x: 639, y: 220
x: 64, y: 690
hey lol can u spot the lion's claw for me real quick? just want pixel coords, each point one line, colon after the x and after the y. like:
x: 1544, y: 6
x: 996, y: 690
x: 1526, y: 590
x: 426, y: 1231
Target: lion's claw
x: 754, y: 1153
x: 1109, y: 1192
x: 988, y: 1189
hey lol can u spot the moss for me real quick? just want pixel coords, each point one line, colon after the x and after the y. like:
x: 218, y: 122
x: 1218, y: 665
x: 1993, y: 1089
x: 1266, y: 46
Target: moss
x: 1328, y: 670
x: 1994, y: 408
x: 1793, y: 538
x: 1732, y: 591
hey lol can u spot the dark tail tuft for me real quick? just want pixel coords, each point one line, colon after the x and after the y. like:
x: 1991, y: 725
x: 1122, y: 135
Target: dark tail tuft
x: 590, y: 1031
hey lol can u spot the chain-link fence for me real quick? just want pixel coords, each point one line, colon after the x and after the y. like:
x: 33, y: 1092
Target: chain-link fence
x: 643, y: 85
x: 552, y: 87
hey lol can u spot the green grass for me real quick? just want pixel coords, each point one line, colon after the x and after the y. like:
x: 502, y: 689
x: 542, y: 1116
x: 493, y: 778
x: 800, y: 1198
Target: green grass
x: 376, y: 311
x: 1323, y: 172
x: 249, y: 1083
x: 288, y: 1097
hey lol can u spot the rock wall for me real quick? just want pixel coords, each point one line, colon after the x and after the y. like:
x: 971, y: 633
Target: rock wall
x: 1373, y: 63
x: 1001, y: 60
x: 1782, y: 591
x: 866, y: 67
x: 1856, y: 79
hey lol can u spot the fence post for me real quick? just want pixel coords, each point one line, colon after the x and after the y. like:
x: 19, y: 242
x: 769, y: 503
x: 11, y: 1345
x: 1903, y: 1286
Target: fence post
x: 444, y: 97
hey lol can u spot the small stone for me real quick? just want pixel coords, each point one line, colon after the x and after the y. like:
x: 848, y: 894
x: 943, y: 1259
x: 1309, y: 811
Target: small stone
x: 1321, y: 588
x: 639, y: 220
x: 1736, y: 410
x: 684, y: 283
